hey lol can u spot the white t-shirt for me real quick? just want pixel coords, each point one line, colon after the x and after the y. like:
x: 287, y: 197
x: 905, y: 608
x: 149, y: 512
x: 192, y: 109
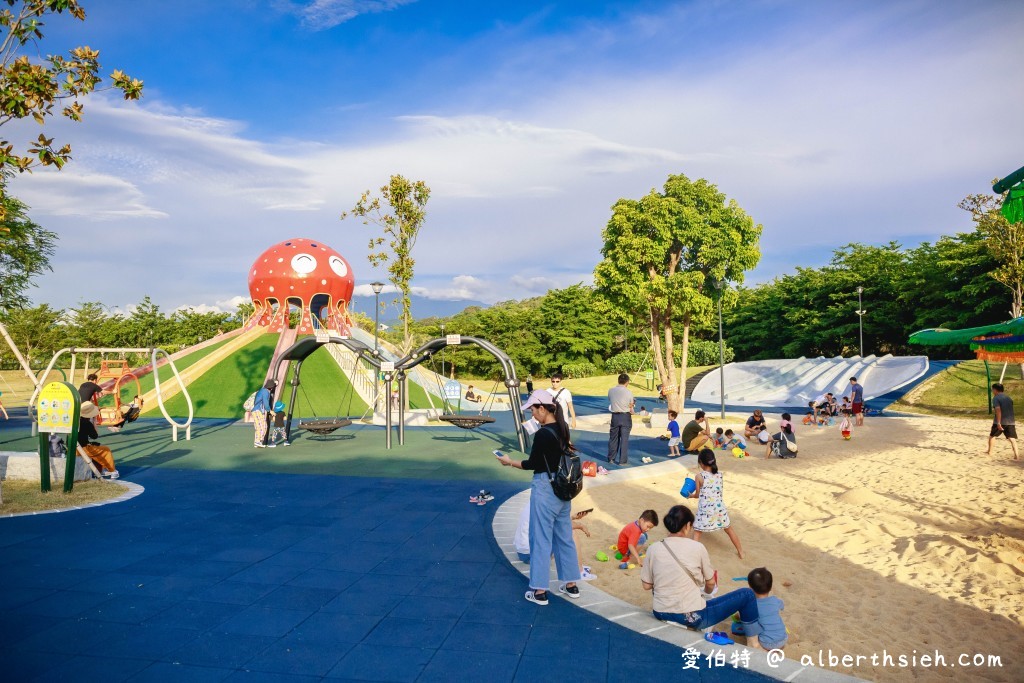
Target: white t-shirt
x: 564, y: 398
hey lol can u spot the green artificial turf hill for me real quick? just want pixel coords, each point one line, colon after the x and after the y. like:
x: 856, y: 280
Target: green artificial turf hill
x: 325, y: 390
x: 222, y: 390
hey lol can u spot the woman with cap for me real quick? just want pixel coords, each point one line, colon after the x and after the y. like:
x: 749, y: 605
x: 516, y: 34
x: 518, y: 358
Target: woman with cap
x: 262, y: 412
x: 550, y: 516
x: 100, y: 455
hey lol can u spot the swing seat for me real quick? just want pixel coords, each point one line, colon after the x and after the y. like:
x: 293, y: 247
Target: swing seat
x: 466, y: 421
x: 324, y: 426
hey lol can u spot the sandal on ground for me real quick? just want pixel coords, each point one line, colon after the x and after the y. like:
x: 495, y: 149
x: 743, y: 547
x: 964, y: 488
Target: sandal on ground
x: 538, y: 597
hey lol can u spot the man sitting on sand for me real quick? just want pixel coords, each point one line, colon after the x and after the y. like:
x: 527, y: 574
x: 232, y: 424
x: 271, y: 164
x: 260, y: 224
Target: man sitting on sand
x: 755, y: 424
x: 696, y: 433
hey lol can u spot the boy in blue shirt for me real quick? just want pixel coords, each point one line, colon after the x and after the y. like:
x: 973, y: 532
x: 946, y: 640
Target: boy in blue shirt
x: 673, y: 430
x: 773, y: 634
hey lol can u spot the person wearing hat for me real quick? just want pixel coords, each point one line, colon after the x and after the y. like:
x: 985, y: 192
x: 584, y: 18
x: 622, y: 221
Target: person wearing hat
x: 263, y: 413
x: 279, y: 430
x: 99, y: 454
x: 550, y: 516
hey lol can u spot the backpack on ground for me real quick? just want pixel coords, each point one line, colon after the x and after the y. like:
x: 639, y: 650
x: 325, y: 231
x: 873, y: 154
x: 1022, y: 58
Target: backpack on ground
x: 58, y: 447
x: 567, y: 480
x: 250, y: 402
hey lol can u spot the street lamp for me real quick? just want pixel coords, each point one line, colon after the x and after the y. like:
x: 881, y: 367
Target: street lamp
x: 377, y: 287
x: 720, y: 286
x: 442, y: 351
x: 860, y: 316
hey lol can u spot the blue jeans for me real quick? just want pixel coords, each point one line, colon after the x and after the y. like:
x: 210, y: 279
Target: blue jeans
x: 550, y: 534
x: 719, y: 609
x: 618, y: 438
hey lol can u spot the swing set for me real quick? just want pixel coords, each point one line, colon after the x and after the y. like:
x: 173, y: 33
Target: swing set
x: 398, y: 370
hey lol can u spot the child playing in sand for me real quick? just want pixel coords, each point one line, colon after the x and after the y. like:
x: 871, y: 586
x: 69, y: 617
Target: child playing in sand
x: 809, y: 418
x: 711, y: 512
x: 634, y: 535
x: 673, y: 430
x: 773, y: 634
x: 718, y: 438
x: 733, y: 441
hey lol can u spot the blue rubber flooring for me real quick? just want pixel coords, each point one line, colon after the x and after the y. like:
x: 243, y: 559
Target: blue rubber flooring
x: 229, y: 576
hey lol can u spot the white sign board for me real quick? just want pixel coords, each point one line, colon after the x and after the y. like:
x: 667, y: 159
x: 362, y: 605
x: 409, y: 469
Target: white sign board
x: 387, y: 366
x: 452, y: 390
x: 453, y: 339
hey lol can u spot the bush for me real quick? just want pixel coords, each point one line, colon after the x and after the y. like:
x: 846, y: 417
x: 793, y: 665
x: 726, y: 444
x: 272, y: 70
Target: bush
x: 579, y: 369
x: 628, y: 362
x: 704, y: 352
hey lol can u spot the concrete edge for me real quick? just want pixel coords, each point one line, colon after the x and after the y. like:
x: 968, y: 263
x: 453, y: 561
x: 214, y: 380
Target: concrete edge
x: 131, y: 491
x: 625, y: 614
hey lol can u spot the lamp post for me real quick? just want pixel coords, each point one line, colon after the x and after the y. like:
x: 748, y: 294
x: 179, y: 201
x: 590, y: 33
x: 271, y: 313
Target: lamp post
x: 442, y: 351
x: 860, y: 317
x: 377, y: 287
x: 720, y: 286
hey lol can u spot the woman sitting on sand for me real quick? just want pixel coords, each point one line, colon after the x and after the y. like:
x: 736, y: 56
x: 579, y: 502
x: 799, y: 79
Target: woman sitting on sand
x: 678, y: 571
x: 786, y: 446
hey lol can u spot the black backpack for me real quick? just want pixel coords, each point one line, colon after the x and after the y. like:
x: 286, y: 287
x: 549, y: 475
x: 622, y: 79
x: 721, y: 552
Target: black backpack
x: 567, y: 480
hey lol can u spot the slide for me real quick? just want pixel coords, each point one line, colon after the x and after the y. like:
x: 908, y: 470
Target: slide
x: 792, y: 383
x: 286, y: 339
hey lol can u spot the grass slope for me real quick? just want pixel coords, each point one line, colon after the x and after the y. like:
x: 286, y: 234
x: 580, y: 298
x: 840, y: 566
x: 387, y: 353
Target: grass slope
x: 325, y: 390
x: 222, y: 390
x: 961, y: 391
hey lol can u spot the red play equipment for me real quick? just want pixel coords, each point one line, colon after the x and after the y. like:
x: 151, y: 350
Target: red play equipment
x: 121, y: 373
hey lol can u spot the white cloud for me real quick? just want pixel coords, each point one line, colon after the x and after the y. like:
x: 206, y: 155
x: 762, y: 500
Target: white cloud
x: 324, y: 14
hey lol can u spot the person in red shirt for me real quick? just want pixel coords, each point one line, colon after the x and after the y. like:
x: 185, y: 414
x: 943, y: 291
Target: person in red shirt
x: 634, y: 535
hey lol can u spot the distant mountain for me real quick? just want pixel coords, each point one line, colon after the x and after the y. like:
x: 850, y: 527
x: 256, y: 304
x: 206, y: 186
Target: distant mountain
x: 422, y: 307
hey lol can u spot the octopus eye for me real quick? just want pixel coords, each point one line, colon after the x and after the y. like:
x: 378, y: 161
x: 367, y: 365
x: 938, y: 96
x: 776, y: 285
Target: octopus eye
x: 303, y: 264
x: 338, y: 266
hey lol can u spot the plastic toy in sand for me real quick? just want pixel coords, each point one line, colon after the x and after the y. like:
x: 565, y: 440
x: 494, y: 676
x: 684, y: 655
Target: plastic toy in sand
x: 739, y: 452
x: 689, y: 486
x: 601, y: 556
x: 846, y: 429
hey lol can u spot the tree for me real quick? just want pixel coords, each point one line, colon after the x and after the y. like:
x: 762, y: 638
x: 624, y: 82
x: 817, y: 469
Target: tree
x: 1004, y: 240
x: 25, y: 251
x: 662, y: 254
x: 33, y: 88
x: 35, y: 331
x: 401, y: 227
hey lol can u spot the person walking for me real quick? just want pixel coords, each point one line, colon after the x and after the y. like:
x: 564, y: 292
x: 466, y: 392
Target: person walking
x: 620, y: 402
x: 550, y: 516
x: 1002, y: 421
x: 564, y: 398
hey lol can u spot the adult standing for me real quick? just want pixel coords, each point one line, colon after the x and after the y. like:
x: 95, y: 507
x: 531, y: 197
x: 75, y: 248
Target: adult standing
x: 620, y: 402
x: 857, y: 401
x: 679, y: 572
x: 696, y: 433
x: 755, y: 424
x: 550, y: 516
x: 564, y: 398
x: 263, y: 413
x: 1003, y: 420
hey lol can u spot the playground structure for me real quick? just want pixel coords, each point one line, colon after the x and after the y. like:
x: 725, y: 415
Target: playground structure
x: 392, y: 371
x: 122, y: 367
x: 119, y: 371
x: 305, y: 273
x: 792, y: 383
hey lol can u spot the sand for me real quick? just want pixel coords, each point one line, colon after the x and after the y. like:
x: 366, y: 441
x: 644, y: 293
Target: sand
x: 906, y: 539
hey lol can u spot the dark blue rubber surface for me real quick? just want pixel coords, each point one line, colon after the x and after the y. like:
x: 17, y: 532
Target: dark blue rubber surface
x: 214, y: 576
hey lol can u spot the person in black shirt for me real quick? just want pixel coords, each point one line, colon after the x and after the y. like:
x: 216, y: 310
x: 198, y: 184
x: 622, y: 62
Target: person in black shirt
x: 755, y: 425
x: 550, y: 517
x: 90, y: 389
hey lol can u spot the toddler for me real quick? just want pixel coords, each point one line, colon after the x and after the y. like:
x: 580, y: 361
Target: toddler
x: 674, y: 434
x: 733, y: 441
x: 773, y: 635
x: 634, y: 535
x: 718, y: 438
x: 279, y: 430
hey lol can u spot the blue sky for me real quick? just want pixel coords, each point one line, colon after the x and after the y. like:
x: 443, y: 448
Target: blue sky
x: 262, y: 121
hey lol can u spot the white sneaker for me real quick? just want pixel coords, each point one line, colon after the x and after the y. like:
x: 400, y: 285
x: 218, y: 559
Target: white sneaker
x: 587, y: 575
x: 286, y: 443
x: 113, y: 475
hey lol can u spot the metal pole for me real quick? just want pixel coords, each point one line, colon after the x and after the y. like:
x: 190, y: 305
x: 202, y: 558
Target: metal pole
x: 377, y: 287
x: 721, y: 356
x: 860, y: 316
x: 442, y: 351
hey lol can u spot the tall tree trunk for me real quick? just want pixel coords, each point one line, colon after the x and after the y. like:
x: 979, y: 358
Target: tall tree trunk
x: 684, y: 363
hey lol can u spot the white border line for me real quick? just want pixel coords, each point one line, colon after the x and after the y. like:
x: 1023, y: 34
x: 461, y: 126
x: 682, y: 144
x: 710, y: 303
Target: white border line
x: 132, y: 491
